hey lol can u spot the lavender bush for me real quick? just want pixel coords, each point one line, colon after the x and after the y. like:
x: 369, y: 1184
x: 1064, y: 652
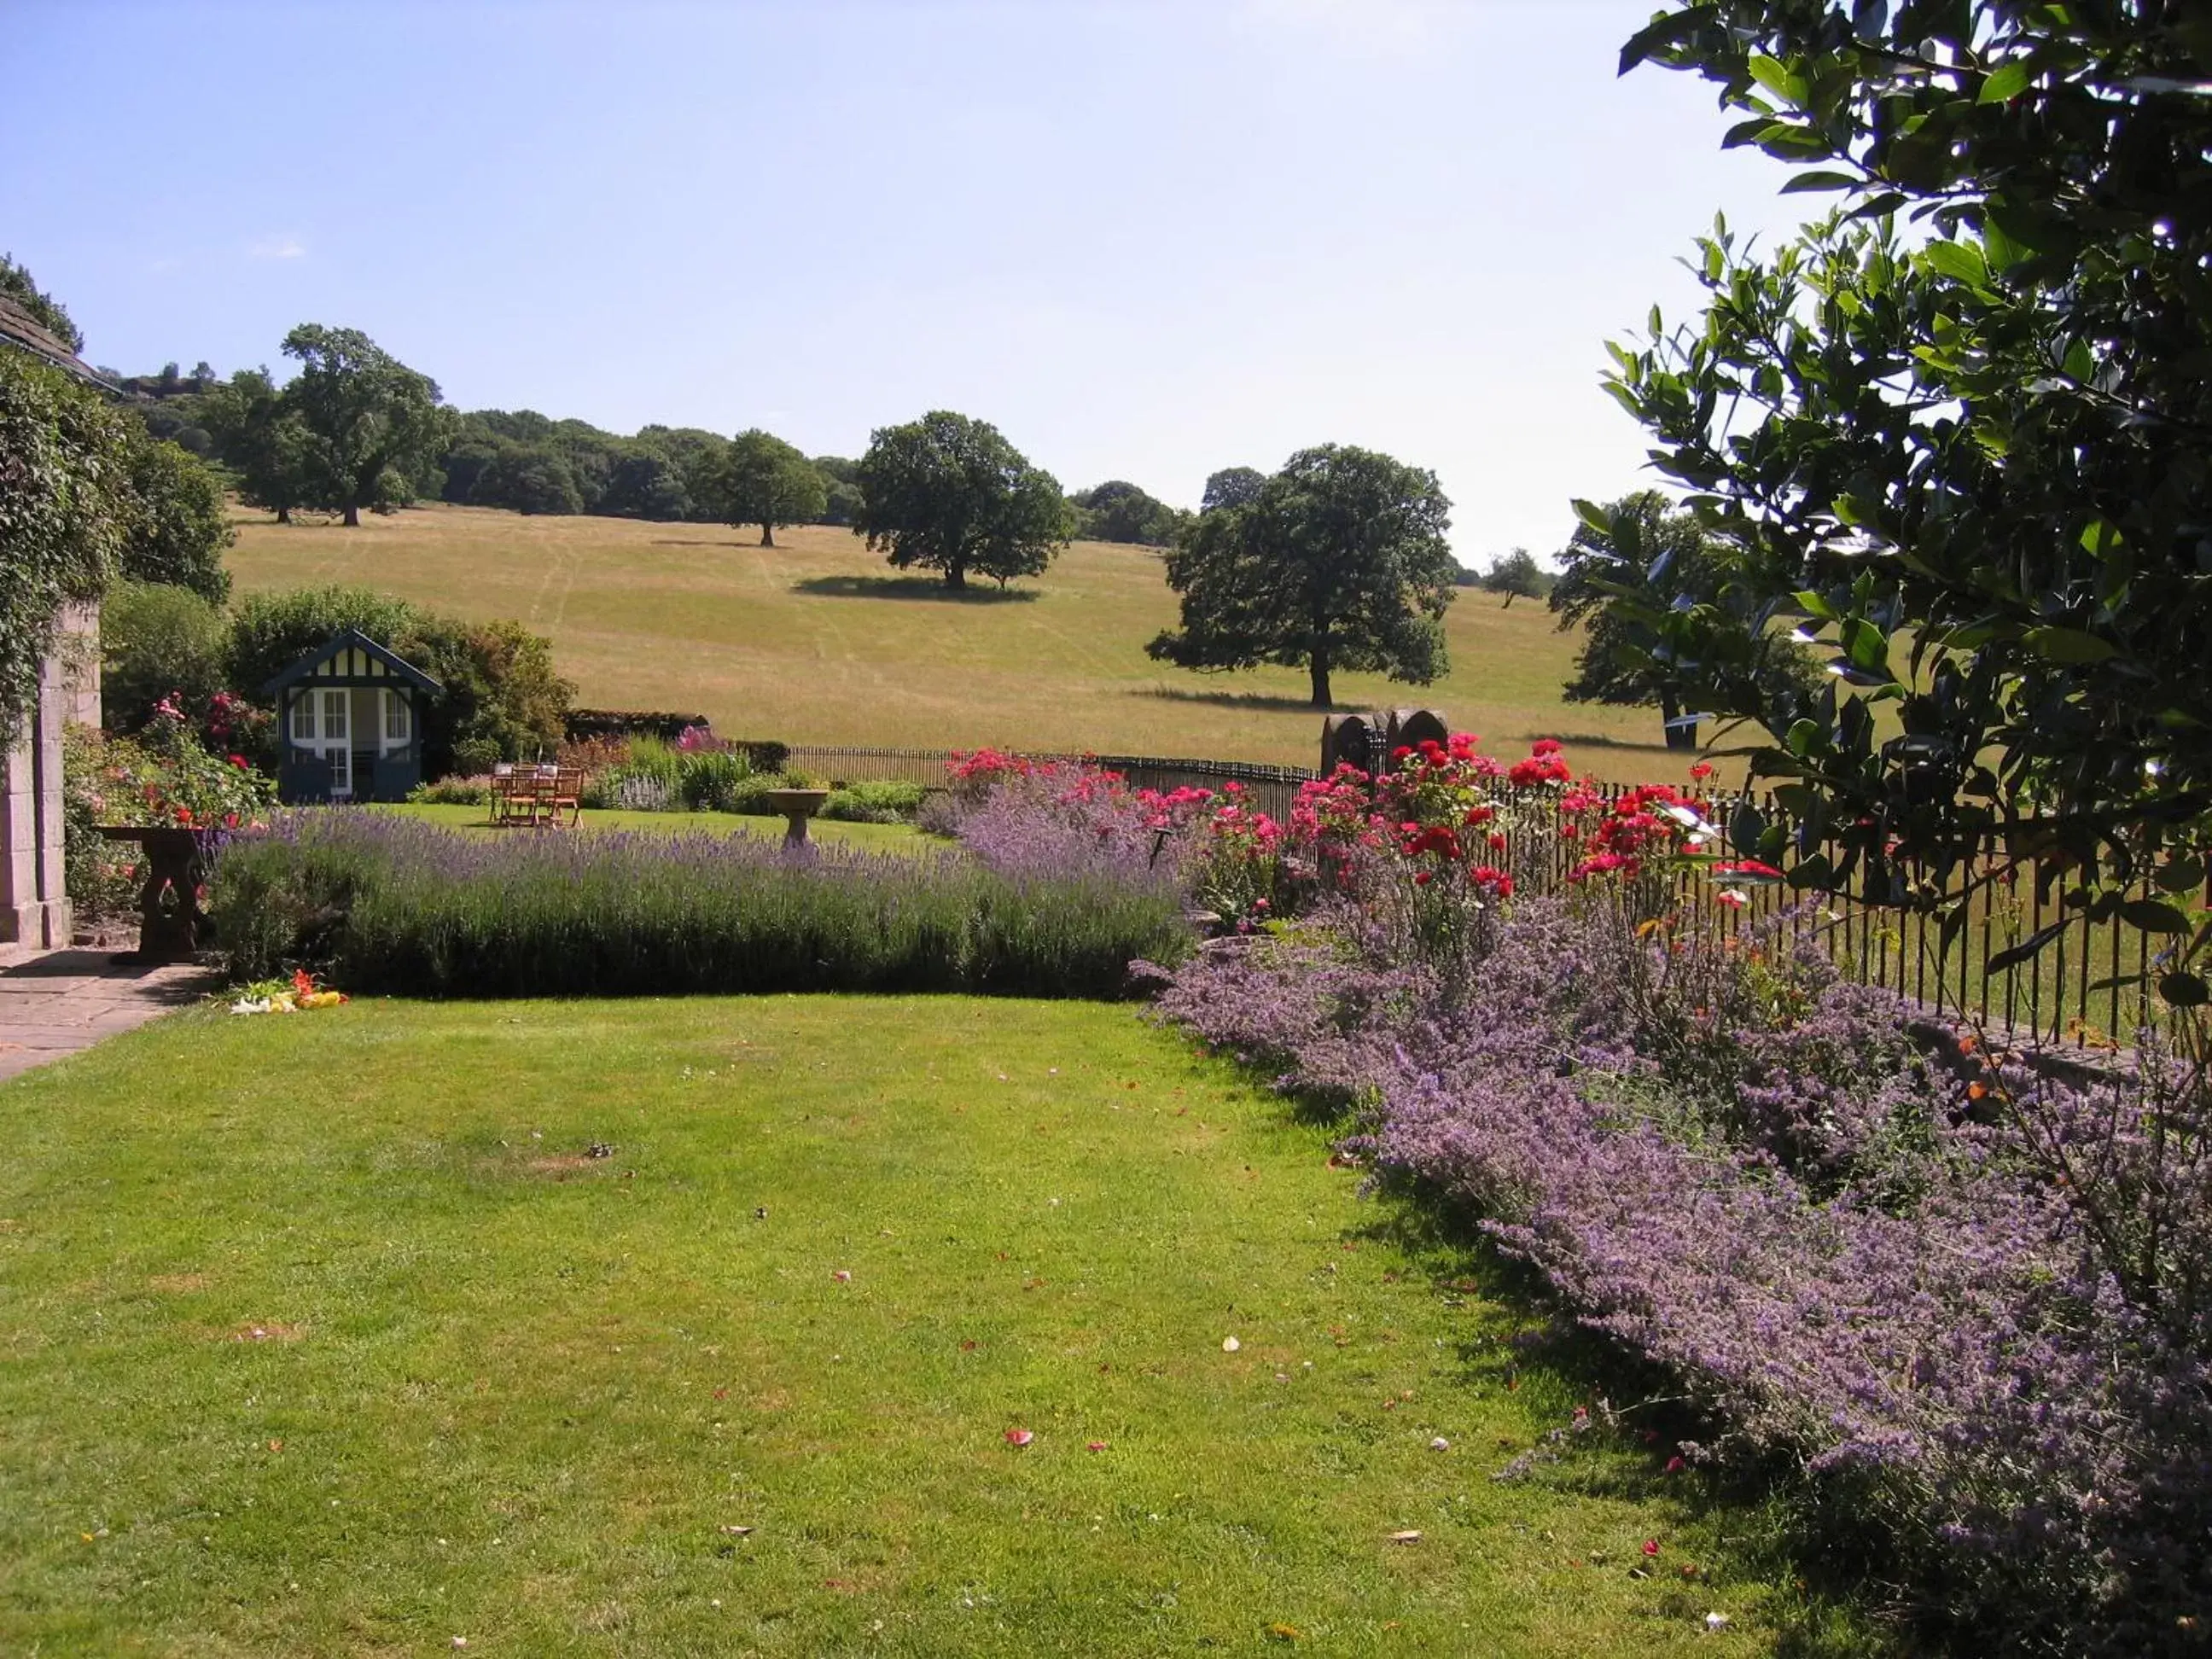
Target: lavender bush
x: 378, y: 902
x: 1969, y: 1308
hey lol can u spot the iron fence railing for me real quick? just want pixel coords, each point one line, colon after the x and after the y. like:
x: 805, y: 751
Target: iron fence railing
x: 2092, y: 984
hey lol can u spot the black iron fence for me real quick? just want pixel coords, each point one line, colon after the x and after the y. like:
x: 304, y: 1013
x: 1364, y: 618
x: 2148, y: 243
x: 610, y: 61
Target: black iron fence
x: 2092, y: 984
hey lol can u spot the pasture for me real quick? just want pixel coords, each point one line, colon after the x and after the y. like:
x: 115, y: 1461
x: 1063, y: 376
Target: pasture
x: 817, y: 641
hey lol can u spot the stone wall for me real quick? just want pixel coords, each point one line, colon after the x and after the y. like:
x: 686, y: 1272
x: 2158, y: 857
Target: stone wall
x: 34, y: 907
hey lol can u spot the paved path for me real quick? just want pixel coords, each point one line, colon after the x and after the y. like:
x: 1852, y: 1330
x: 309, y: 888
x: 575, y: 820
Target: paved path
x: 59, y: 1001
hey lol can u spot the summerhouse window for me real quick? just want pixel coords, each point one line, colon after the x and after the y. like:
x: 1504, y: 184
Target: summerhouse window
x: 303, y: 720
x: 395, y: 718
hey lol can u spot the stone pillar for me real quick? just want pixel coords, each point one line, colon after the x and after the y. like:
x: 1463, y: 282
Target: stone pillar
x: 34, y: 907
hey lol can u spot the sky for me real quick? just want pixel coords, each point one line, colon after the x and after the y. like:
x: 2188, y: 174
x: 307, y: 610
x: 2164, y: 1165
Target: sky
x: 1146, y: 239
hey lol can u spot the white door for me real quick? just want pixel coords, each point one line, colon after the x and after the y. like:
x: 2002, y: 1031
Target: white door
x: 336, y: 738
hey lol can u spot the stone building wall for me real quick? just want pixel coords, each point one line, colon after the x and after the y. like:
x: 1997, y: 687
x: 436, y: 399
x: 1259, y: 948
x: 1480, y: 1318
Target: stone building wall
x: 34, y: 907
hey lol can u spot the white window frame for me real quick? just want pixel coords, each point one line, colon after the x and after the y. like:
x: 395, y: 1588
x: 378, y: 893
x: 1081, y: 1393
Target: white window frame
x: 398, y: 715
x: 303, y: 718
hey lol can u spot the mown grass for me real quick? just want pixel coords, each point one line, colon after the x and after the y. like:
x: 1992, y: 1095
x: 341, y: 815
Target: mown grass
x: 327, y: 1335
x: 871, y: 837
x: 815, y: 640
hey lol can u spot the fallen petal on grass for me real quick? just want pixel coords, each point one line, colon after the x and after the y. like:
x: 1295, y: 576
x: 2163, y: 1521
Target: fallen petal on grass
x: 1410, y: 1535
x: 1229, y: 1345
x: 1018, y: 1436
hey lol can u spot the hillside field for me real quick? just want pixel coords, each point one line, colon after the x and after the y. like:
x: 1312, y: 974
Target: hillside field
x: 817, y: 641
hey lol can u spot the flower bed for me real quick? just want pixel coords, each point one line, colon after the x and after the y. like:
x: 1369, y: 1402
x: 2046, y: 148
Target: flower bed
x: 378, y: 903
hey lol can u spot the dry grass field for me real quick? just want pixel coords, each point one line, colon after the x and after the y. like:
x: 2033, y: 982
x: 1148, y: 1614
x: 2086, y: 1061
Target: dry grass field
x: 817, y: 641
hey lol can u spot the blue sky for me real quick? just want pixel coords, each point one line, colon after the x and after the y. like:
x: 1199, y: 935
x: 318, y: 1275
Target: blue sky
x: 1146, y: 238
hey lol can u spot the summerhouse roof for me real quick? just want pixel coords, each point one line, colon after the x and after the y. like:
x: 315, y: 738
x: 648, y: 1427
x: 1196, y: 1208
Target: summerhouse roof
x: 349, y: 657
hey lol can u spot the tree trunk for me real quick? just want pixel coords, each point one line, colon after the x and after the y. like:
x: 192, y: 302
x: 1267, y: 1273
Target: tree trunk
x: 284, y: 515
x: 768, y: 534
x: 955, y: 575
x: 1670, y: 710
x: 1319, y: 668
x: 352, y: 516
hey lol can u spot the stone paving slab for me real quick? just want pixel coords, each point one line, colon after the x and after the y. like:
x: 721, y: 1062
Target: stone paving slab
x: 59, y: 1002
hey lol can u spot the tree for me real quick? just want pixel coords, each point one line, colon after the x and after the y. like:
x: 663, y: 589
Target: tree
x: 263, y: 440
x: 1118, y: 511
x: 1337, y: 562
x: 1651, y: 558
x: 157, y: 639
x: 64, y: 505
x: 1975, y: 459
x: 16, y: 284
x: 179, y: 524
x: 1233, y: 486
x: 948, y: 493
x: 374, y: 424
x: 842, y: 479
x: 528, y: 478
x: 767, y: 482
x: 1517, y: 575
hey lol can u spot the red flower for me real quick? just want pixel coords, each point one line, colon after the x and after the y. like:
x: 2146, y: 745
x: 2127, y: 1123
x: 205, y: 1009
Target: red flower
x: 239, y: 760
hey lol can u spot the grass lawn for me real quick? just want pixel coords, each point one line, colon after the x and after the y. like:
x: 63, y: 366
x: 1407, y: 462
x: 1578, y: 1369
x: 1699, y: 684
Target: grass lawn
x: 817, y: 640
x: 873, y: 837
x: 326, y: 1335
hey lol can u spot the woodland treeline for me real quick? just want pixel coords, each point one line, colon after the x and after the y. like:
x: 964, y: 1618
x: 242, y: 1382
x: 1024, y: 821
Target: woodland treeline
x: 527, y: 462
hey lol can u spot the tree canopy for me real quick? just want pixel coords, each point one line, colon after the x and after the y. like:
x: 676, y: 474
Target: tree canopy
x: 374, y: 424
x: 1975, y: 456
x: 1119, y: 511
x: 1518, y: 576
x: 1233, y: 486
x: 949, y: 493
x: 768, y: 482
x: 179, y: 524
x: 1653, y: 557
x: 1337, y: 562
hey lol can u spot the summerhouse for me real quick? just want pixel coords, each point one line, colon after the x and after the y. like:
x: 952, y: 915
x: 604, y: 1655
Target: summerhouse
x: 349, y: 715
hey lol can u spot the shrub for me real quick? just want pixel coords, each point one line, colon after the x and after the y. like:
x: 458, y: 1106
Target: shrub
x: 473, y: 757
x: 157, y: 641
x: 707, y: 779
x: 455, y: 791
x: 379, y: 902
x: 874, y: 803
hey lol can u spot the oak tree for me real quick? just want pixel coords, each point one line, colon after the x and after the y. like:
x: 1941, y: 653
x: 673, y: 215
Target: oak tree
x: 1339, y: 561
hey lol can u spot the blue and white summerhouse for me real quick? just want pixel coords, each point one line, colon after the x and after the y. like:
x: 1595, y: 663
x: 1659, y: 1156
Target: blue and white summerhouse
x: 349, y: 715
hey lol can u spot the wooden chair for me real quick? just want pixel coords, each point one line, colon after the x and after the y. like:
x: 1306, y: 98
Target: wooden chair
x: 513, y: 795
x: 564, y: 787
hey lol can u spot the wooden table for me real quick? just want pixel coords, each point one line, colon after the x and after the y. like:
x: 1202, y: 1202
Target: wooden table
x: 175, y: 930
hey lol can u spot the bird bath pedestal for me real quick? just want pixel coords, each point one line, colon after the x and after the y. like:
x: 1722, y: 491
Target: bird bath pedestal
x: 797, y: 805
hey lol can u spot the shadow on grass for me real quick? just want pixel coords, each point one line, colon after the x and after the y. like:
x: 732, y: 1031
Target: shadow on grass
x: 1253, y: 700
x: 910, y: 587
x: 1776, y: 1525
x: 1521, y: 1339
x: 706, y: 541
x: 1601, y: 740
